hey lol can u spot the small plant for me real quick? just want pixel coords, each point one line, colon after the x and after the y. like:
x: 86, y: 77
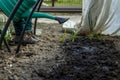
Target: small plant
x: 8, y: 35
x: 99, y: 37
x: 73, y: 36
x: 118, y: 37
x: 63, y: 36
x: 92, y: 36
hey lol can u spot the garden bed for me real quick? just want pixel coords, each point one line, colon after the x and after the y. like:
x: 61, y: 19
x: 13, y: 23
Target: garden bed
x: 54, y: 58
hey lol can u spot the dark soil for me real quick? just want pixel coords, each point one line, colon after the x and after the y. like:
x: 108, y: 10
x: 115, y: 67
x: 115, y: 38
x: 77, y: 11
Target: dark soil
x: 51, y: 59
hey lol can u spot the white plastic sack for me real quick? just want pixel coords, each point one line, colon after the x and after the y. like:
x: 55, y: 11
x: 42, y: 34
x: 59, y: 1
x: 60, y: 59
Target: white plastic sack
x: 70, y: 26
x: 100, y: 16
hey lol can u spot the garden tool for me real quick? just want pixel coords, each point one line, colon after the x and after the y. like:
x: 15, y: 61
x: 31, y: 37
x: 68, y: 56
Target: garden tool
x: 25, y: 9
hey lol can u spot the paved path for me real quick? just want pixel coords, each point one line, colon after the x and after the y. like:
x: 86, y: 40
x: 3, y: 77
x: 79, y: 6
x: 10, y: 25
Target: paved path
x: 74, y: 17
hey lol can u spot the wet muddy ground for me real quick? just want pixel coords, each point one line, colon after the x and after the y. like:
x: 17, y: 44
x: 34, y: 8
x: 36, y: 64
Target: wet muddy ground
x: 53, y: 59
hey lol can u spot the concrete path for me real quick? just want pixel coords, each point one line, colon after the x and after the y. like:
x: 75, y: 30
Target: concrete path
x: 74, y: 17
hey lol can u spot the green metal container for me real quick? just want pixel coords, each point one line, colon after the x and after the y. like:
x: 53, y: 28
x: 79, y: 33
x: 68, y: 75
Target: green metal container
x: 7, y: 6
x: 24, y: 10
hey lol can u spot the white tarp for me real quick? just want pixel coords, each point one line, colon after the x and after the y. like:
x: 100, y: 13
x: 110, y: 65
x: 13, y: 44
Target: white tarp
x: 100, y: 16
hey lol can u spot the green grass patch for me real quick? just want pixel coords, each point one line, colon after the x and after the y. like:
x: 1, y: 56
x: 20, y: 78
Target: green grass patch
x: 65, y: 2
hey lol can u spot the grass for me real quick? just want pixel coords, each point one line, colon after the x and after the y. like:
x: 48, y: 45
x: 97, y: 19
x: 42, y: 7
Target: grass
x: 65, y: 2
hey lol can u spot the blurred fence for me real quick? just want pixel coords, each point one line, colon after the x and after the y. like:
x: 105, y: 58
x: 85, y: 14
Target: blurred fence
x: 62, y: 6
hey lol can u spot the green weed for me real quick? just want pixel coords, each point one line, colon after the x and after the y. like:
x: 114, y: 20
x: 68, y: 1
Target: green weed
x: 63, y: 37
x: 8, y: 35
x: 92, y: 36
x: 118, y: 37
x: 73, y: 36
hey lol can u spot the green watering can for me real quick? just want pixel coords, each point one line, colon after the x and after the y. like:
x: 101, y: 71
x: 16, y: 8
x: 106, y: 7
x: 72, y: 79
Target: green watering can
x: 25, y: 9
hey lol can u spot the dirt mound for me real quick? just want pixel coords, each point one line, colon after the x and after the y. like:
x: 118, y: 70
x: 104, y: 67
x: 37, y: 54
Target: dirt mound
x: 51, y: 59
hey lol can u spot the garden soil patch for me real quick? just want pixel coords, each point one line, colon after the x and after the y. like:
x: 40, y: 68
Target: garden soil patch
x: 54, y: 58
